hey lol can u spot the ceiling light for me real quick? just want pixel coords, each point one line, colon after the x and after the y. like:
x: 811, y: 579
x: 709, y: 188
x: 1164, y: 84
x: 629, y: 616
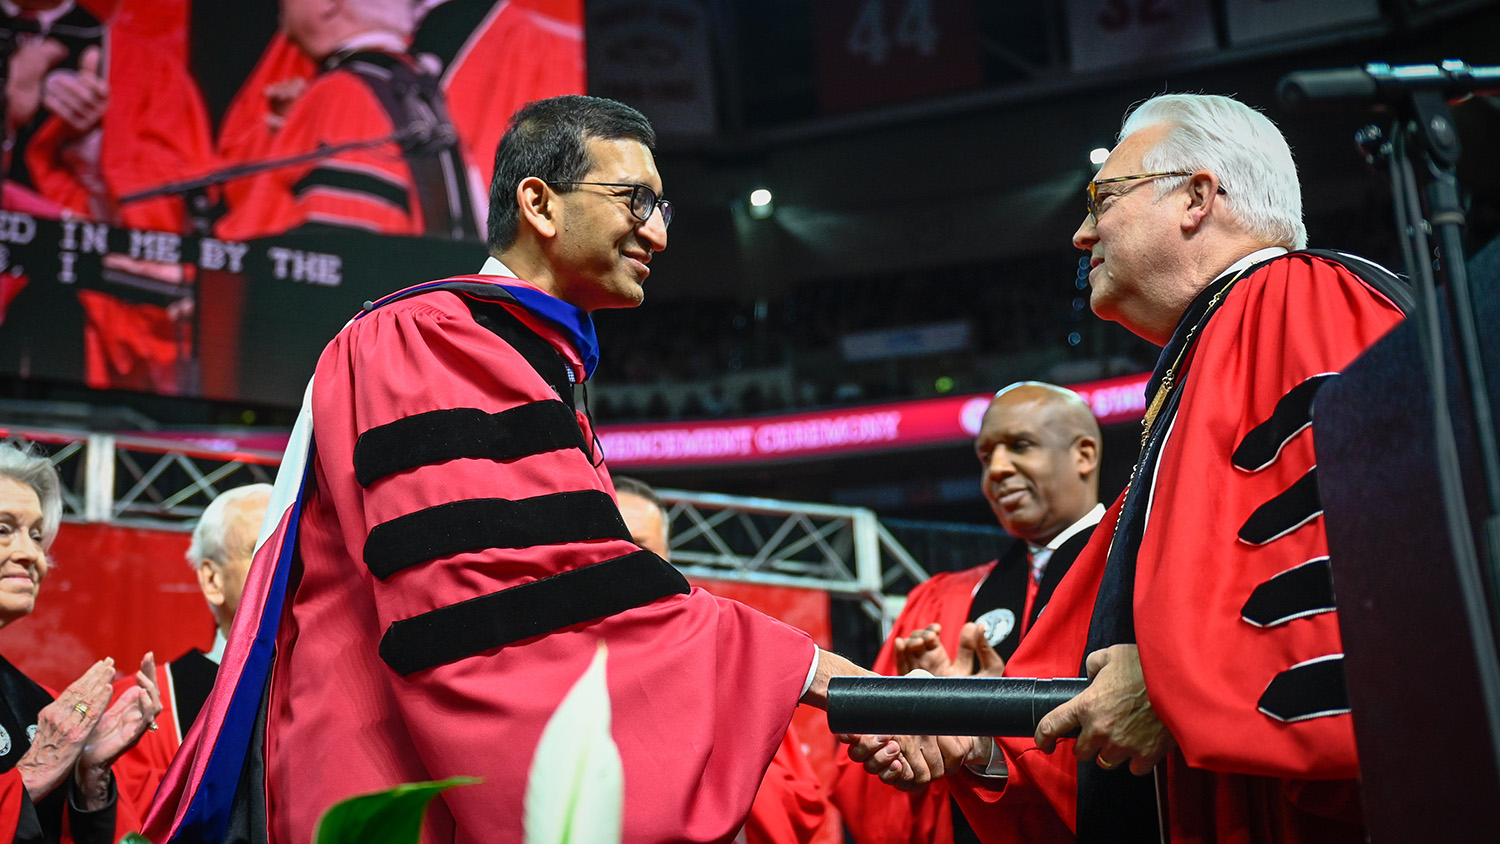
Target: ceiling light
x: 761, y: 203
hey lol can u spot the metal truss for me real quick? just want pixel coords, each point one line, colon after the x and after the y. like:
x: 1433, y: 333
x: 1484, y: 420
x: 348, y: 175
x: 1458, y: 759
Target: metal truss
x: 843, y: 551
x: 140, y: 479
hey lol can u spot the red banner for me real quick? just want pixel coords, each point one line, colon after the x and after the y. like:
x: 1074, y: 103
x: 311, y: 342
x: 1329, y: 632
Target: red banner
x: 832, y: 432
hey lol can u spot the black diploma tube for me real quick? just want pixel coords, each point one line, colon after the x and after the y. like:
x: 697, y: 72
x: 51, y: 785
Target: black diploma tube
x: 945, y: 706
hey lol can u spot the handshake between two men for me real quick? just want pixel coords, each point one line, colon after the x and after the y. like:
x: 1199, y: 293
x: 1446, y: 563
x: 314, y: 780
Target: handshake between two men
x: 944, y: 714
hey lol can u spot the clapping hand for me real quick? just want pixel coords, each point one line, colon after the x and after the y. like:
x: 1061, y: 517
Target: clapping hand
x: 63, y: 728
x: 923, y: 650
x: 127, y: 720
x: 974, y: 647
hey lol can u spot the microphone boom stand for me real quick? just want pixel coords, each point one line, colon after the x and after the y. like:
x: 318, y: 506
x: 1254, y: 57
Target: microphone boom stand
x: 1424, y: 137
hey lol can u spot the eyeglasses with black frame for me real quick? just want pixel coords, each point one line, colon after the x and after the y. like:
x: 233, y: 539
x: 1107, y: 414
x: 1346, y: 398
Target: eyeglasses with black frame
x: 643, y: 200
x: 1093, y: 189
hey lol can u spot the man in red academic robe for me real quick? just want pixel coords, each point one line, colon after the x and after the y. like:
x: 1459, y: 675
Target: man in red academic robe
x: 1207, y: 623
x: 1038, y: 448
x: 455, y: 559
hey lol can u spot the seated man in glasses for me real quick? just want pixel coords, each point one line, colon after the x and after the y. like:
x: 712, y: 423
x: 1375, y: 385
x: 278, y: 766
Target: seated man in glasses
x: 457, y: 562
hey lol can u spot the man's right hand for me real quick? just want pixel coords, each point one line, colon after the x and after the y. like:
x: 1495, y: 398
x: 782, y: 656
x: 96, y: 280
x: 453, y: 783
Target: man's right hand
x: 908, y: 762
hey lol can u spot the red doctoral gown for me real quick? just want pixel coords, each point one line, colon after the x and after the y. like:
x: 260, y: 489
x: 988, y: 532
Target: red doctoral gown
x: 701, y: 689
x: 1226, y: 538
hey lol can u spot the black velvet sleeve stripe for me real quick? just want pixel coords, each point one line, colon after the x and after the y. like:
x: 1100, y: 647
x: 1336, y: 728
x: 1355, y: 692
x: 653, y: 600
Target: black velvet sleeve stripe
x: 441, y: 435
x: 1263, y: 443
x: 1295, y: 593
x: 348, y: 181
x: 1312, y: 689
x: 1289, y: 510
x: 477, y: 524
x: 543, y: 606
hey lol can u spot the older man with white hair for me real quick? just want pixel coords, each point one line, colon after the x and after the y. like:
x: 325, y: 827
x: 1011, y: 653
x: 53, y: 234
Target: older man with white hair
x: 1203, y: 611
x: 222, y: 547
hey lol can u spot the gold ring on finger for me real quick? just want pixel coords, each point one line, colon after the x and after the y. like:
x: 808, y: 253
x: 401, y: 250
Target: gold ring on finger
x: 81, y: 708
x: 1105, y: 764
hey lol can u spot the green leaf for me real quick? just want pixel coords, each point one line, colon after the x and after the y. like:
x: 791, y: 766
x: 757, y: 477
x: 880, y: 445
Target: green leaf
x: 384, y: 817
x: 135, y: 838
x: 575, y: 793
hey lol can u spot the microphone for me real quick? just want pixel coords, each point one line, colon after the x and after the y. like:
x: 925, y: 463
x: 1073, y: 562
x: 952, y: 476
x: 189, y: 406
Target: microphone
x: 945, y: 706
x: 1380, y: 83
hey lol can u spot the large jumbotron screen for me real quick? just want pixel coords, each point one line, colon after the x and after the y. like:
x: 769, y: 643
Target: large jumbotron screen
x: 197, y: 194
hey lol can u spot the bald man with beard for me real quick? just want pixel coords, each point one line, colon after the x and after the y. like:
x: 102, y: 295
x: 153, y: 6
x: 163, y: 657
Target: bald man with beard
x: 1039, y: 451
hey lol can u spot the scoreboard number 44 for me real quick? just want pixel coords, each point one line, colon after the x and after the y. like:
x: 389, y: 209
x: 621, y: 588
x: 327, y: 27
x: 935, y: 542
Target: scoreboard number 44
x: 871, y: 38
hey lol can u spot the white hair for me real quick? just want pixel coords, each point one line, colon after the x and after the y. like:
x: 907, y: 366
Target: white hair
x: 24, y: 465
x: 210, y: 537
x: 1239, y: 145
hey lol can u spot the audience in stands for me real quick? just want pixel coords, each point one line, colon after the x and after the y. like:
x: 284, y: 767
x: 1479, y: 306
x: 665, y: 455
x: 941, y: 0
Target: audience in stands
x: 799, y: 335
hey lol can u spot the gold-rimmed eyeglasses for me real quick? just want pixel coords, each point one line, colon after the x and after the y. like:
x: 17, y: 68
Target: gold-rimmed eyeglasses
x: 1093, y: 189
x: 643, y: 200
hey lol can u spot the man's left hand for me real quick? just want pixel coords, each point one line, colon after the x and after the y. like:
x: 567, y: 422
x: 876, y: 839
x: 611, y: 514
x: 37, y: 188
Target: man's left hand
x: 1114, y: 716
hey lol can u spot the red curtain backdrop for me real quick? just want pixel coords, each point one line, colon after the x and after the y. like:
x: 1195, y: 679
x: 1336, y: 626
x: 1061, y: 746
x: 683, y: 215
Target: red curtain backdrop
x: 112, y: 591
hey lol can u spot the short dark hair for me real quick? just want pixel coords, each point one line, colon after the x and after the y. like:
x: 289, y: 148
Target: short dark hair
x: 547, y: 139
